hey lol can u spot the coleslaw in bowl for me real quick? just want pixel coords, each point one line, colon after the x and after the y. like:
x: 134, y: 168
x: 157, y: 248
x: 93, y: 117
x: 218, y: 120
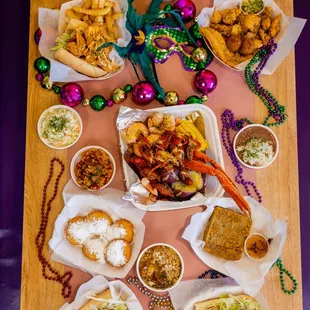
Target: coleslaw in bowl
x: 59, y: 127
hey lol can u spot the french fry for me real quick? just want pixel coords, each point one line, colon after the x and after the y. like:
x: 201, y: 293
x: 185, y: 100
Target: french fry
x: 79, y: 15
x: 96, y: 12
x: 117, y: 16
x: 115, y: 32
x: 87, y: 4
x: 109, y: 3
x: 70, y: 13
x: 94, y: 4
x: 109, y: 23
x: 85, y: 18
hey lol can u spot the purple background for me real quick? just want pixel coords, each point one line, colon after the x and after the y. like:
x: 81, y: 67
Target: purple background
x: 14, y: 56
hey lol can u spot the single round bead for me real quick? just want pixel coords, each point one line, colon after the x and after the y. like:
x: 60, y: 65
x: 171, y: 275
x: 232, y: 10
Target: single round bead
x: 40, y: 77
x: 128, y: 88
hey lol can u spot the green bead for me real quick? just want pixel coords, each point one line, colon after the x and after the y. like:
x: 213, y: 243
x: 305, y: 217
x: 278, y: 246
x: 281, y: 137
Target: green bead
x: 56, y: 89
x: 98, y: 102
x: 168, y: 7
x: 128, y: 88
x: 42, y: 65
x: 160, y: 98
x: 194, y: 31
x: 193, y: 100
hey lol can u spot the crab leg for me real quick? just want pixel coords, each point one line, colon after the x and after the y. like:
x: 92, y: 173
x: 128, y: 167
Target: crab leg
x: 225, y: 182
x: 203, y: 157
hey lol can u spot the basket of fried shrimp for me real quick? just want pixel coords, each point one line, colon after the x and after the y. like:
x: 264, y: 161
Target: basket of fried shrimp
x: 71, y: 38
x: 171, y: 156
x: 235, y: 30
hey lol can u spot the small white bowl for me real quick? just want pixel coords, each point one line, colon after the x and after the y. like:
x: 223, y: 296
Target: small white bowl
x: 240, y: 5
x: 77, y: 157
x: 141, y: 279
x: 267, y: 129
x: 246, y: 251
x: 59, y: 106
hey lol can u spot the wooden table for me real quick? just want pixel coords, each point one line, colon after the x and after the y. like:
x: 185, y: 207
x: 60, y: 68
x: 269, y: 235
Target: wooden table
x: 278, y: 184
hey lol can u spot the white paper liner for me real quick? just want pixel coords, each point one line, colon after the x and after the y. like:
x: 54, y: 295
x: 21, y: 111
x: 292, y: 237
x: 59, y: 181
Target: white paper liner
x: 187, y: 293
x: 81, y: 202
x: 98, y: 285
x: 248, y: 274
x: 127, y: 116
x: 291, y: 28
x: 51, y: 22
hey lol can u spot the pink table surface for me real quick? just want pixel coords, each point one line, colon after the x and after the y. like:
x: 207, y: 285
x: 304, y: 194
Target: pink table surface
x: 100, y: 129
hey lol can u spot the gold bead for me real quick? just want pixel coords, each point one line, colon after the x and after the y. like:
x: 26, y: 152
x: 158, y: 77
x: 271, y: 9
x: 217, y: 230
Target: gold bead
x: 199, y: 54
x: 119, y: 95
x: 171, y: 98
x: 85, y: 102
x: 204, y: 98
x: 47, y: 83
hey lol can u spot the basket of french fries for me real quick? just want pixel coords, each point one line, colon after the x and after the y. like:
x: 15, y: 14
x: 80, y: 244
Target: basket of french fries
x: 234, y: 36
x: 71, y: 37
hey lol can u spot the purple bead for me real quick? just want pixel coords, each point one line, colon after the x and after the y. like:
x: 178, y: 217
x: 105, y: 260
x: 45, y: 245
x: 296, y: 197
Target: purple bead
x: 205, y: 81
x: 181, y: 102
x: 40, y: 77
x: 186, y: 8
x: 71, y: 94
x: 37, y: 36
x: 110, y: 102
x: 143, y: 93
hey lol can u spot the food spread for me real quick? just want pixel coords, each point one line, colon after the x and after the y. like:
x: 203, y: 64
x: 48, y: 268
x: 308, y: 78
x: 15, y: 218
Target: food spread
x: 59, y: 127
x: 94, y: 169
x: 252, y: 6
x: 160, y: 267
x: 101, y: 239
x: 89, y: 27
x: 104, y: 301
x: 235, y: 36
x: 229, y: 302
x: 167, y: 153
x: 225, y: 233
x: 256, y: 246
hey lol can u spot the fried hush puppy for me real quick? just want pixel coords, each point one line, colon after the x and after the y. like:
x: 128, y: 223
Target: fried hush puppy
x: 234, y: 42
x: 248, y: 46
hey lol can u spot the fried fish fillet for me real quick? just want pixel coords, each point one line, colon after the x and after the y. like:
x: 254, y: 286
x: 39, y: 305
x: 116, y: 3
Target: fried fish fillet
x: 220, y: 49
x: 225, y: 233
x: 217, y: 43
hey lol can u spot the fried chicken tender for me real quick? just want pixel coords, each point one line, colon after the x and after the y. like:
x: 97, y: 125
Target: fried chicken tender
x: 230, y: 16
x: 275, y: 26
x: 216, y: 17
x: 234, y: 42
x: 223, y: 29
x: 250, y: 23
x: 258, y: 43
x: 264, y: 36
x: 236, y: 29
x: 238, y: 59
x: 248, y: 46
x: 267, y: 12
x: 266, y: 23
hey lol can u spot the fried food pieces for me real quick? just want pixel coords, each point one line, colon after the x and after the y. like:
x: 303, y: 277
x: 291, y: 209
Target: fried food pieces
x: 235, y: 37
x: 225, y: 233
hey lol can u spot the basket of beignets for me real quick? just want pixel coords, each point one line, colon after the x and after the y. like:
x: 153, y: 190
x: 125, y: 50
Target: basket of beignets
x: 235, y: 30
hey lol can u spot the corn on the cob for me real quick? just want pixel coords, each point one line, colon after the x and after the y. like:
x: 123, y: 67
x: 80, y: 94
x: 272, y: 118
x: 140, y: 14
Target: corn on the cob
x: 188, y: 128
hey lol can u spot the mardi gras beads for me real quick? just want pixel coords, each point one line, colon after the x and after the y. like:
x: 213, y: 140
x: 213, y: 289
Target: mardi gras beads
x: 98, y: 102
x: 42, y: 65
x: 71, y: 94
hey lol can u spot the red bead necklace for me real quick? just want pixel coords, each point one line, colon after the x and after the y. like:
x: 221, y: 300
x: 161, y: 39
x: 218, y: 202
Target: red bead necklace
x: 52, y: 274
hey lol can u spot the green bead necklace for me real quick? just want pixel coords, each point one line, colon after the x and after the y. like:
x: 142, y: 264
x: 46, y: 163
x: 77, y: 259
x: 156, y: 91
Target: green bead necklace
x: 282, y: 272
x: 276, y: 111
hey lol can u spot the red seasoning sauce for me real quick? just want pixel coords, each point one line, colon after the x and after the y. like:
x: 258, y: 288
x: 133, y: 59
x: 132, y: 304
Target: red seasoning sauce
x: 256, y: 246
